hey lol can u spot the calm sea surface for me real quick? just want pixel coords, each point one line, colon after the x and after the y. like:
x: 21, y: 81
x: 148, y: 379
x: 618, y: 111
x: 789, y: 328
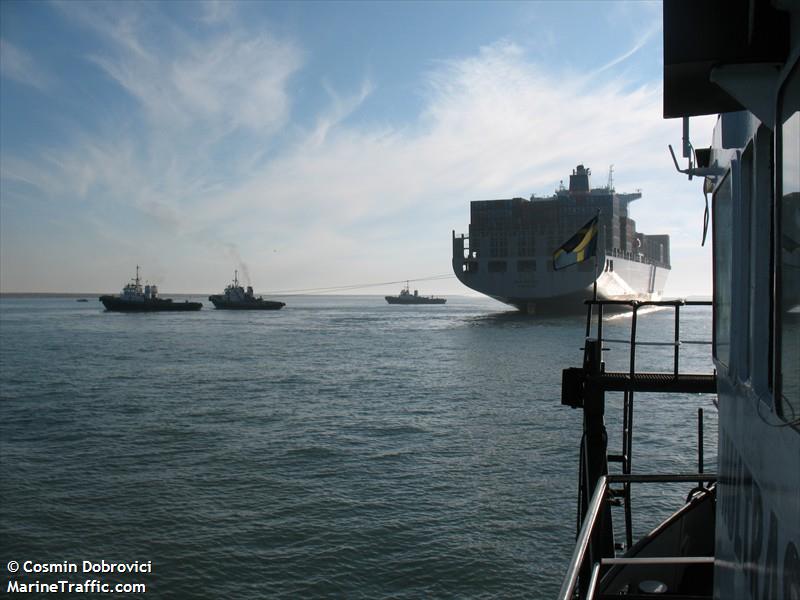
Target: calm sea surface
x: 338, y: 448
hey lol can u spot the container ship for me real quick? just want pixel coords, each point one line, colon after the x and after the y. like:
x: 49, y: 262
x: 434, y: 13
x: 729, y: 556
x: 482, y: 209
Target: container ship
x: 508, y: 252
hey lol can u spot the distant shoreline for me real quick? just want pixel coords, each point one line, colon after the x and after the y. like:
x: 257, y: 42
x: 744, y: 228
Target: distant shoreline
x: 50, y: 294
x: 95, y: 295
x: 194, y: 294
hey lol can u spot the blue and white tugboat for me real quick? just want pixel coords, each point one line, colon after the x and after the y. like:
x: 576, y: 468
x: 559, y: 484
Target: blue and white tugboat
x: 737, y: 536
x: 138, y: 298
x: 235, y: 297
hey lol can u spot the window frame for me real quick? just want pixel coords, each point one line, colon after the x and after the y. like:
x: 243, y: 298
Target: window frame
x: 727, y: 180
x: 777, y: 348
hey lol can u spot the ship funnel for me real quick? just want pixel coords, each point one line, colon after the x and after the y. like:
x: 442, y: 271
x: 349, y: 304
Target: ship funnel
x: 579, y: 180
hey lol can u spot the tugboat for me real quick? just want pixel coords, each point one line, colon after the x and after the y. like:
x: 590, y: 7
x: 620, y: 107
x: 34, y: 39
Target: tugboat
x: 135, y: 298
x: 406, y: 297
x: 235, y: 297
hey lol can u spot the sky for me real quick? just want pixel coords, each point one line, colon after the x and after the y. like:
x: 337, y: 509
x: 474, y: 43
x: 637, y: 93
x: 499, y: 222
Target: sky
x: 317, y: 144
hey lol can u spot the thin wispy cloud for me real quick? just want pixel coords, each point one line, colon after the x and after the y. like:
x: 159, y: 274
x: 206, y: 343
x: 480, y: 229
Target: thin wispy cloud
x: 214, y: 153
x: 487, y: 131
x: 339, y: 109
x: 230, y: 81
x: 20, y: 66
x: 640, y: 43
x: 217, y: 11
x: 226, y: 77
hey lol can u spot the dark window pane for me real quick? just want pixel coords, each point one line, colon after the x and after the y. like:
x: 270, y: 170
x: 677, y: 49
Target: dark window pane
x: 722, y: 271
x: 789, y: 253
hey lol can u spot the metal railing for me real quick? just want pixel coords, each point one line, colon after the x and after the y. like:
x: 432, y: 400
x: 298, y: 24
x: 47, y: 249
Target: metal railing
x: 600, y: 498
x: 585, y: 388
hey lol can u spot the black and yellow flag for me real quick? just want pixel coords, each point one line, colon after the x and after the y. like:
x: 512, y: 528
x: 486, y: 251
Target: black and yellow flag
x: 580, y: 247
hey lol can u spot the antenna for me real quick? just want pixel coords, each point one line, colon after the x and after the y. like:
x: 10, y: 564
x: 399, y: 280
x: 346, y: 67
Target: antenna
x: 235, y: 278
x: 610, y: 184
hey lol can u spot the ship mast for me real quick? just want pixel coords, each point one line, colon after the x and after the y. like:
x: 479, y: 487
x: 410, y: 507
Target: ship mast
x: 235, y: 278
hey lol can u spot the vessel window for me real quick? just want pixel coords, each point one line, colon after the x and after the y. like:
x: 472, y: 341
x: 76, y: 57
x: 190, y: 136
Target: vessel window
x: 526, y: 266
x: 722, y: 270
x: 497, y: 266
x: 760, y: 276
x: 740, y: 304
x: 525, y: 244
x: 788, y: 259
x: 498, y: 246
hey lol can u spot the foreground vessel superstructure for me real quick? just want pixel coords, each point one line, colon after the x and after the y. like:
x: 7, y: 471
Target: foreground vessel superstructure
x: 235, y: 297
x: 508, y: 252
x: 138, y: 298
x: 738, y: 534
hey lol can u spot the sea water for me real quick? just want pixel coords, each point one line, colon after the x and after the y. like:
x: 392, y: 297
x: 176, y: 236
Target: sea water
x: 338, y: 448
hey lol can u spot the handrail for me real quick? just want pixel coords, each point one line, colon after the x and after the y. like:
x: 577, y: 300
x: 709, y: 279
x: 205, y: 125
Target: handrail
x: 593, y: 581
x: 673, y: 302
x: 585, y: 387
x: 659, y: 560
x: 582, y: 544
x: 593, y: 511
x: 662, y: 478
x: 640, y: 343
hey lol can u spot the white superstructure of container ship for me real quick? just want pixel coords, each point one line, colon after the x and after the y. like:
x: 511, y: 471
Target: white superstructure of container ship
x: 508, y: 252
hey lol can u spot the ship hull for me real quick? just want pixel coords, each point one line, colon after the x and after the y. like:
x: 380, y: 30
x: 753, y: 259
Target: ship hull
x: 116, y: 304
x: 223, y: 304
x: 563, y: 292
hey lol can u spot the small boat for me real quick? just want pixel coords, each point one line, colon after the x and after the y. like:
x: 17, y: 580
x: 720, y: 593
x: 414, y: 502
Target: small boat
x: 406, y: 297
x: 138, y: 298
x: 235, y: 297
x: 81, y: 300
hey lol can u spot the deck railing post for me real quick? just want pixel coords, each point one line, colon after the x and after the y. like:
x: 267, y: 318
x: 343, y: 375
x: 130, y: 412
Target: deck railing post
x: 596, y: 459
x: 700, y: 443
x: 677, y: 336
